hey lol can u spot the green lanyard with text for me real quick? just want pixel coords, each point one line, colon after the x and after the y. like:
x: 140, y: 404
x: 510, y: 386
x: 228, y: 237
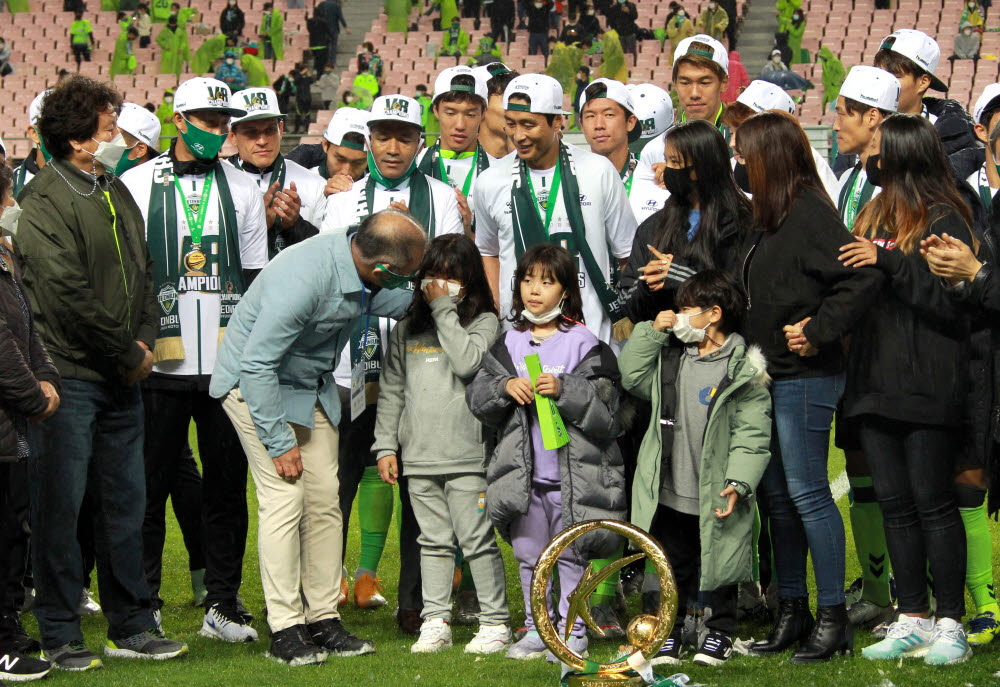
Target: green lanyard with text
x: 196, y: 226
x: 468, y: 179
x: 550, y: 204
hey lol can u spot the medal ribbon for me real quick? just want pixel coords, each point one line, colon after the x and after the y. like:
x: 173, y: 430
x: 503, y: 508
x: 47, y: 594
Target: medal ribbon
x: 550, y: 204
x: 472, y: 171
x: 196, y: 226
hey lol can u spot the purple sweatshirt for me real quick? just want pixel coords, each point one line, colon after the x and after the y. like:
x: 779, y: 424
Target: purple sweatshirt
x: 561, y: 353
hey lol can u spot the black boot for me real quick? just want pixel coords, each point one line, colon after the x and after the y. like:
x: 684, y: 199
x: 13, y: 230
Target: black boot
x: 794, y: 624
x: 832, y: 635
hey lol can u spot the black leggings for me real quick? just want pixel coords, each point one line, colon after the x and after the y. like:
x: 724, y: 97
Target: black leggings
x: 912, y: 469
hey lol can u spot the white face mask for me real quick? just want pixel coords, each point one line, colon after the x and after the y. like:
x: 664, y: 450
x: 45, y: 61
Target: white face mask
x: 230, y: 60
x: 680, y: 13
x: 108, y: 153
x: 8, y: 219
x: 545, y: 317
x: 685, y: 332
x: 453, y: 289
x: 776, y: 58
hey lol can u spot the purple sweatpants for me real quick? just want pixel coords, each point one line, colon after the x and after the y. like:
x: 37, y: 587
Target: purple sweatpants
x: 530, y: 534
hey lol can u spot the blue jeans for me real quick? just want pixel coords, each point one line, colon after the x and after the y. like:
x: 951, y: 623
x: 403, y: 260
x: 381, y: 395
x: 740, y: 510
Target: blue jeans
x: 92, y: 444
x: 804, y: 517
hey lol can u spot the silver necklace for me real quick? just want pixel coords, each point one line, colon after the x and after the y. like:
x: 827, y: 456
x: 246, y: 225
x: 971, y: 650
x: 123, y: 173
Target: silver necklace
x: 73, y: 188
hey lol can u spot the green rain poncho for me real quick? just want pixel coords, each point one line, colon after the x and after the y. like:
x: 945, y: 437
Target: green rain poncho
x: 398, y: 12
x: 276, y: 32
x: 18, y: 6
x: 168, y: 130
x: 175, y: 51
x: 159, y: 10
x: 795, y: 38
x: 255, y: 71
x: 120, y: 62
x: 487, y: 52
x: 449, y: 9
x: 207, y: 53
x: 833, y: 75
x: 455, y: 41
x: 109, y: 5
x: 785, y: 9
x: 564, y: 64
x: 613, y: 66
x: 366, y: 81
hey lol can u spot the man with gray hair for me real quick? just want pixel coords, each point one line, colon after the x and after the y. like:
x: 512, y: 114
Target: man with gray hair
x: 274, y: 374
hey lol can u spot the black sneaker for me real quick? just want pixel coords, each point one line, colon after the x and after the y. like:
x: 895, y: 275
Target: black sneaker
x: 242, y: 610
x: 670, y: 653
x: 295, y: 647
x: 15, y: 638
x: 20, y: 668
x: 715, y: 650
x: 75, y: 657
x: 333, y: 637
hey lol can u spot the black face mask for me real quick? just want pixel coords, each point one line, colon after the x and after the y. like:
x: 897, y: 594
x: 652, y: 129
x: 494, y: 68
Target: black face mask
x: 742, y: 177
x: 873, y: 171
x: 678, y: 181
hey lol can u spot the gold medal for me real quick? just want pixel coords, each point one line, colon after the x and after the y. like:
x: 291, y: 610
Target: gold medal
x: 194, y: 262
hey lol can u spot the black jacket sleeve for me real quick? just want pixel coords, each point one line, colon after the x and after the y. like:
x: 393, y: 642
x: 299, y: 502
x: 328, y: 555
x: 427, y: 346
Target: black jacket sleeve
x: 298, y: 232
x: 18, y: 385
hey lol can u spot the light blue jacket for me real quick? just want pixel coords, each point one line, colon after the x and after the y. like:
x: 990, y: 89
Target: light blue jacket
x: 282, y: 343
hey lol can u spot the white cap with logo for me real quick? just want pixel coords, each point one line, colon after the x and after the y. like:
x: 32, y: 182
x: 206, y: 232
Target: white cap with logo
x: 203, y: 93
x: 35, y: 108
x: 761, y: 95
x: 544, y: 92
x: 445, y: 83
x: 873, y: 87
x: 717, y: 54
x: 396, y: 108
x: 653, y: 107
x: 990, y: 93
x: 259, y: 103
x: 920, y: 48
x: 347, y: 120
x: 140, y: 123
x: 488, y: 71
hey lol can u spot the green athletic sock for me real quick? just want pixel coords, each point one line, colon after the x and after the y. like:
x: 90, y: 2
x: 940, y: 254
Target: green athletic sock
x: 979, y: 563
x: 375, y: 501
x: 606, y: 591
x: 869, y: 541
x: 754, y: 552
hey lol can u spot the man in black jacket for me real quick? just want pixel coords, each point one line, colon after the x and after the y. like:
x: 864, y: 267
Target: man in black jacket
x: 334, y: 16
x: 538, y: 28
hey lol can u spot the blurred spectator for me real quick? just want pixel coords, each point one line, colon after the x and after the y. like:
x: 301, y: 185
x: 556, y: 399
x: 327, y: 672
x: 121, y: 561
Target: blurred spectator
x: 5, y: 67
x: 590, y: 23
x: 679, y: 27
x: 284, y: 88
x: 144, y: 24
x: 966, y: 44
x: 174, y: 48
x: 781, y: 44
x: 455, y: 41
x: 328, y: 84
x: 582, y: 81
x: 501, y: 14
x: 487, y: 52
x: 785, y: 9
x: 774, y: 64
x: 572, y: 31
x: 334, y: 16
x: 795, y: 27
x: 319, y: 41
x: 123, y: 60
x: 232, y: 21
x: 730, y: 7
x: 713, y: 21
x: 230, y: 73
x: 973, y: 14
x: 303, y: 97
x: 738, y: 78
x: 538, y: 28
x: 272, y: 33
x: 81, y: 38
x: 621, y: 18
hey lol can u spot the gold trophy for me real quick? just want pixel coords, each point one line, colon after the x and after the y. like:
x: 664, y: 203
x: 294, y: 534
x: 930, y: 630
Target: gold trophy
x: 646, y: 633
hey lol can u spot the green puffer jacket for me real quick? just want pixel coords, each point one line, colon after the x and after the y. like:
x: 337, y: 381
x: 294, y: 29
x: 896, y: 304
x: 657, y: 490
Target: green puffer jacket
x: 736, y: 447
x: 90, y: 305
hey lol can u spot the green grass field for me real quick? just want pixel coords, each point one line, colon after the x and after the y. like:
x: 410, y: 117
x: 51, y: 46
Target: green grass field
x: 214, y: 663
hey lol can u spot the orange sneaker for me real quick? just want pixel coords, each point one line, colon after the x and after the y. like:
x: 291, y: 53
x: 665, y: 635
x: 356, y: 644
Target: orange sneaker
x: 345, y: 590
x: 367, y: 592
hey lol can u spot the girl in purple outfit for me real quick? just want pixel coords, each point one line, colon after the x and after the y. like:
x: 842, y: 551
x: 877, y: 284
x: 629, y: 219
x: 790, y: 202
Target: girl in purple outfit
x: 533, y: 493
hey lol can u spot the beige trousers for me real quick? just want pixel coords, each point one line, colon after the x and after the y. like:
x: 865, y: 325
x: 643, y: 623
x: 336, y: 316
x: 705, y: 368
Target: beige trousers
x: 299, y: 522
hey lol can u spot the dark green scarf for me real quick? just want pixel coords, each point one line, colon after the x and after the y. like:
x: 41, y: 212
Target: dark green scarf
x: 170, y: 276
x: 843, y: 203
x: 529, y: 228
x: 421, y: 202
x: 278, y: 174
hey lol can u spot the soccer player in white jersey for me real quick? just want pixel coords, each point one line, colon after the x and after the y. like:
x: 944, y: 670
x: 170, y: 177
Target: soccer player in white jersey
x: 393, y: 178
x: 141, y: 130
x: 294, y: 199
x: 552, y: 192
x: 456, y: 158
x: 207, y: 239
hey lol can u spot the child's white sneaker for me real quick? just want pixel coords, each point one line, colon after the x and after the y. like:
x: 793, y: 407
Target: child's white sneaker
x: 949, y: 644
x: 435, y: 635
x: 528, y: 647
x: 489, y: 640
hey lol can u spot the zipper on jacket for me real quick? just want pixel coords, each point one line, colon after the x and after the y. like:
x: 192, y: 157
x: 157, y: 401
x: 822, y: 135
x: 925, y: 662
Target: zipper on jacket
x: 114, y: 232
x: 746, y: 268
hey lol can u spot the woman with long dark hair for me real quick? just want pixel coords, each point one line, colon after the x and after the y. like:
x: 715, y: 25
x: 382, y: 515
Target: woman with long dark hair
x: 908, y: 378
x: 702, y: 225
x: 795, y: 283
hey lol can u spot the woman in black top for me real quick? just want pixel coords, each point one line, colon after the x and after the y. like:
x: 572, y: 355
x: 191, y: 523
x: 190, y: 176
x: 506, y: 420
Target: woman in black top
x: 702, y: 225
x: 794, y: 282
x: 908, y: 377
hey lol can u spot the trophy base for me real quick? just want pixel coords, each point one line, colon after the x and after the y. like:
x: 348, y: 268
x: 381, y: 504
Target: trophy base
x: 598, y: 680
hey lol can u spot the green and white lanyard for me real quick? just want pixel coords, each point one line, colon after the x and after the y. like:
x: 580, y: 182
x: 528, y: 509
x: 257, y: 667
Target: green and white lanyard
x: 628, y: 173
x: 472, y: 171
x: 196, y: 226
x: 550, y: 203
x: 985, y: 190
x: 856, y: 194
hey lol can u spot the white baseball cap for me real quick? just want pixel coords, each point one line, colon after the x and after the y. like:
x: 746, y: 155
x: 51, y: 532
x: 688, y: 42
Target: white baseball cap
x: 718, y: 55
x: 35, y: 108
x: 445, y: 83
x: 259, y: 103
x: 3, y: 148
x: 396, y: 108
x: 872, y: 86
x: 618, y: 92
x: 544, y: 92
x: 991, y: 93
x: 653, y: 107
x: 347, y: 120
x: 203, y: 93
x: 920, y: 48
x: 761, y: 95
x: 141, y: 123
x: 488, y: 71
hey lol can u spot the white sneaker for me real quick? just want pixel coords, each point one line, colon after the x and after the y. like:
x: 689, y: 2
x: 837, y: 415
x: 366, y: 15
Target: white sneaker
x: 88, y: 606
x: 435, y: 635
x: 949, y: 645
x: 489, y: 640
x: 907, y: 637
x: 227, y: 625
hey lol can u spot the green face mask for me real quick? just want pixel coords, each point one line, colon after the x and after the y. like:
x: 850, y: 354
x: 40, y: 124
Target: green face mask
x: 393, y: 280
x: 125, y: 164
x: 389, y: 183
x: 45, y: 153
x: 204, y: 145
